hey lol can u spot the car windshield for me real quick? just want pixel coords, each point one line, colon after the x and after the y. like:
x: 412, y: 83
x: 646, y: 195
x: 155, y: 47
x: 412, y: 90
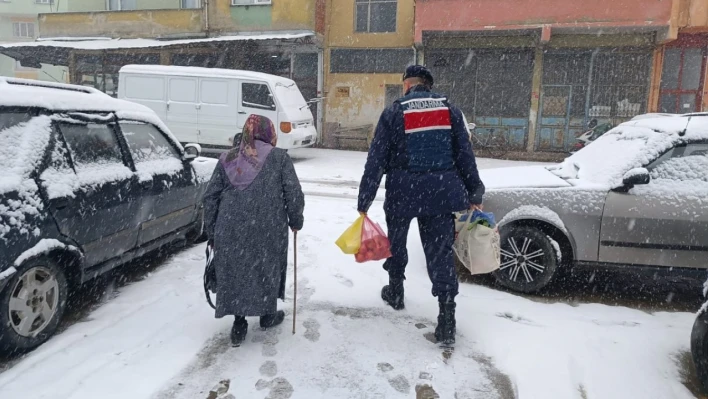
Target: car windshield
x: 607, y: 159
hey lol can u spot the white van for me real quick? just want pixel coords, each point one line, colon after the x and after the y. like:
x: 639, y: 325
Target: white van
x: 210, y: 106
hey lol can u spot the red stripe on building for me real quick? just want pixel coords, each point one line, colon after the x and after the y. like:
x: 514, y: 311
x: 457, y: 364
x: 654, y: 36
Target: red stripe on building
x: 419, y: 120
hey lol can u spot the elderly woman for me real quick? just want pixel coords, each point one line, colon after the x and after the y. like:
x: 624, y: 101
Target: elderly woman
x: 252, y: 199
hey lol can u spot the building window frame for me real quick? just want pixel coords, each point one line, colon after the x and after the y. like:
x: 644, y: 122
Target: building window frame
x: 373, y: 60
x: 678, y: 93
x: 184, y: 6
x: 47, y: 2
x: 21, y: 29
x: 368, y: 5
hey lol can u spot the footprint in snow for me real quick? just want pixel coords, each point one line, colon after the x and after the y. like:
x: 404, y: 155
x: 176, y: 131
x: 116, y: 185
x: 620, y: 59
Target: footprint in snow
x: 400, y: 384
x: 344, y: 281
x: 280, y: 388
x: 516, y: 318
x: 312, y: 330
x: 384, y: 367
x: 269, y: 369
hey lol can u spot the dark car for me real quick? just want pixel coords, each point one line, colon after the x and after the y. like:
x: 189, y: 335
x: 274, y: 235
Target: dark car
x: 87, y: 183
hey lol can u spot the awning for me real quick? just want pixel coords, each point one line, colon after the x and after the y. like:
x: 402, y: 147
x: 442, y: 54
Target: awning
x: 56, y: 51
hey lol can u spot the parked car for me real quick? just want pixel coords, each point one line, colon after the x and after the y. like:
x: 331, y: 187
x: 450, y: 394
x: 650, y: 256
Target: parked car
x: 87, y: 183
x: 699, y: 345
x: 207, y: 105
x: 635, y: 197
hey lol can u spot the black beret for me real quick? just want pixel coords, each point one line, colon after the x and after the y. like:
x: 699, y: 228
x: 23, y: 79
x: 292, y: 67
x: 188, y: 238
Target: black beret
x: 419, y: 71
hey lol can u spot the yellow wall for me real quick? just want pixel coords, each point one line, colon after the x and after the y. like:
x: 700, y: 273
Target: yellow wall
x: 341, y: 22
x: 294, y: 13
x: 367, y: 92
x: 124, y: 24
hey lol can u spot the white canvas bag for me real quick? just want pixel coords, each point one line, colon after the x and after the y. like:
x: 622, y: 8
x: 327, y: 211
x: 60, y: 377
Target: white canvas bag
x: 477, y: 246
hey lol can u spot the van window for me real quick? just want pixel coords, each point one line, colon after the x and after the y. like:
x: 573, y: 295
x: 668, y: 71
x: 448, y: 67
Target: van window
x: 183, y: 90
x: 144, y: 88
x: 257, y: 95
x: 214, y: 92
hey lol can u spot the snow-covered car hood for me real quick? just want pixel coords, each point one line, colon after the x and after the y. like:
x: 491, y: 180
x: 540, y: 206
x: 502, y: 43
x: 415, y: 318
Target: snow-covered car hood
x: 521, y: 177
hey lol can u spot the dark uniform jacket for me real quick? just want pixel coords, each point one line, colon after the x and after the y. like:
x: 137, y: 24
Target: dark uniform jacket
x: 422, y: 145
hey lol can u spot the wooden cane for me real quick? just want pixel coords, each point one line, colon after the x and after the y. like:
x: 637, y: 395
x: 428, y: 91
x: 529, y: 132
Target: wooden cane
x: 295, y: 281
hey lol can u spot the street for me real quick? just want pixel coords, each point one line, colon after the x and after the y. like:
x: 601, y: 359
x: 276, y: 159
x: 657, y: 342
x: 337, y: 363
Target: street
x: 149, y: 333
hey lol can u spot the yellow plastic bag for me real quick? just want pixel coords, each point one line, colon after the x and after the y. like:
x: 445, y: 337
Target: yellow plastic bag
x: 350, y: 241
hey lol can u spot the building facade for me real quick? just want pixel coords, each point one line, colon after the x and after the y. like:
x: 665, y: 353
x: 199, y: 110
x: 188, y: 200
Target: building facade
x: 536, y: 72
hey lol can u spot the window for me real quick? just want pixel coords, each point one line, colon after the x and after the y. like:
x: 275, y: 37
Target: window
x: 191, y: 3
x: 250, y: 2
x: 147, y: 143
x: 10, y: 119
x: 92, y: 145
x: 23, y: 29
x: 119, y: 5
x: 376, y: 15
x: 183, y: 90
x: 370, y: 61
x: 214, y: 92
x: 681, y: 90
x: 687, y: 163
x: 44, y: 1
x: 257, y: 95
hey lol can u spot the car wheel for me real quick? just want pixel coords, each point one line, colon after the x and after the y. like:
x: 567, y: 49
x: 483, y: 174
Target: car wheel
x: 528, y: 259
x: 699, y: 347
x: 32, y: 305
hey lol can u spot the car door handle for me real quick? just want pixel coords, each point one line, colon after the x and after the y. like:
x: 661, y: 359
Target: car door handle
x: 60, y: 203
x: 242, y: 113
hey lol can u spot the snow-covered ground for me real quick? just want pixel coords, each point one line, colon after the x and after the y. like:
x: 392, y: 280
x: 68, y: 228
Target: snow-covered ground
x: 158, y: 337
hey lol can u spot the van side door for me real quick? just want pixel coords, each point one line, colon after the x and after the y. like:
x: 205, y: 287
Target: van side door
x: 183, y: 108
x: 218, y: 121
x: 148, y: 90
x: 257, y: 98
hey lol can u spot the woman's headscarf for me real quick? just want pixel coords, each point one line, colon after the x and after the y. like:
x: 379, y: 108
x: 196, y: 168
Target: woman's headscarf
x: 243, y: 164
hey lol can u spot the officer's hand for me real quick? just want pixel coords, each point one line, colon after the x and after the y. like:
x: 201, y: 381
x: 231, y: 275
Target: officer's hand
x: 362, y: 213
x: 477, y: 207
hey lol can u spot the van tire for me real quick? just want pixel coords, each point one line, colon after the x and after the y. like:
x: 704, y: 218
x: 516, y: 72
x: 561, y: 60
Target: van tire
x: 53, y: 301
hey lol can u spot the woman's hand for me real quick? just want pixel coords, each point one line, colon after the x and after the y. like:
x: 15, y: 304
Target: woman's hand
x: 294, y: 230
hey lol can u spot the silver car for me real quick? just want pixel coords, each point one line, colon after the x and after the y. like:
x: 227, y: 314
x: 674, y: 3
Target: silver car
x: 637, y: 196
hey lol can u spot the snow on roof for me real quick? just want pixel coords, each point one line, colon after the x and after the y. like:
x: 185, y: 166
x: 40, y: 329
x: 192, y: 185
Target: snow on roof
x: 197, y: 71
x: 102, y: 43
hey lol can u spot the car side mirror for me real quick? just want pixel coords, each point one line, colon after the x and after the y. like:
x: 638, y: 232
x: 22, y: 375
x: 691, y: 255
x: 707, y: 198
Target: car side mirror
x: 191, y: 152
x: 635, y: 177
x: 471, y: 126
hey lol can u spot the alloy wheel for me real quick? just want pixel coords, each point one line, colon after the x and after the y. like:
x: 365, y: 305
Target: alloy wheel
x: 34, y: 300
x: 521, y: 260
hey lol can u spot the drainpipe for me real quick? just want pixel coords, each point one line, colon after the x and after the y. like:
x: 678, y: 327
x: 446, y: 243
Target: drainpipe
x: 206, y: 17
x: 415, y: 55
x: 320, y: 93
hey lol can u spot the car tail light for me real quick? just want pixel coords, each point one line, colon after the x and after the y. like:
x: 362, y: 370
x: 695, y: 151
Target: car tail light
x: 286, y: 127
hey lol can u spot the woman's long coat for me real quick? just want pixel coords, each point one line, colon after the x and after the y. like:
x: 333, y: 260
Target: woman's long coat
x: 249, y: 229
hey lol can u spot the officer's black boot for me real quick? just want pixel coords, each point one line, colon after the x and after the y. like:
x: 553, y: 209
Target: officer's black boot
x: 239, y: 331
x: 393, y: 293
x: 272, y: 320
x: 446, y: 328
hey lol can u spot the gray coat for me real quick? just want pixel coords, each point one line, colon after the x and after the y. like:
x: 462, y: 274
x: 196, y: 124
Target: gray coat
x: 249, y: 229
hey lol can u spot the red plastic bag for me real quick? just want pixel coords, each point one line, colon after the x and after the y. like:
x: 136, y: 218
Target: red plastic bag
x: 374, y: 243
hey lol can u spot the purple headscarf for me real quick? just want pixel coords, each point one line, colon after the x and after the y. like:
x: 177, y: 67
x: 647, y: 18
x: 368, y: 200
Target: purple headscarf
x: 243, y: 164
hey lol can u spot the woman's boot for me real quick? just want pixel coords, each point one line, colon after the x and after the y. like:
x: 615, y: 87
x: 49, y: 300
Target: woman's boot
x: 239, y: 331
x: 272, y: 320
x: 393, y: 293
x: 445, y: 331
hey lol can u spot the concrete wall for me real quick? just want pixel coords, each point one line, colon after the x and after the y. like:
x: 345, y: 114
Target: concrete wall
x: 465, y: 15
x: 124, y: 24
x: 366, y: 91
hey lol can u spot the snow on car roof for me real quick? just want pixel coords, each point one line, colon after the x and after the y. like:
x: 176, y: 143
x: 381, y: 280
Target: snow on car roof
x: 60, y: 97
x: 65, y: 98
x: 633, y: 144
x: 197, y: 71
